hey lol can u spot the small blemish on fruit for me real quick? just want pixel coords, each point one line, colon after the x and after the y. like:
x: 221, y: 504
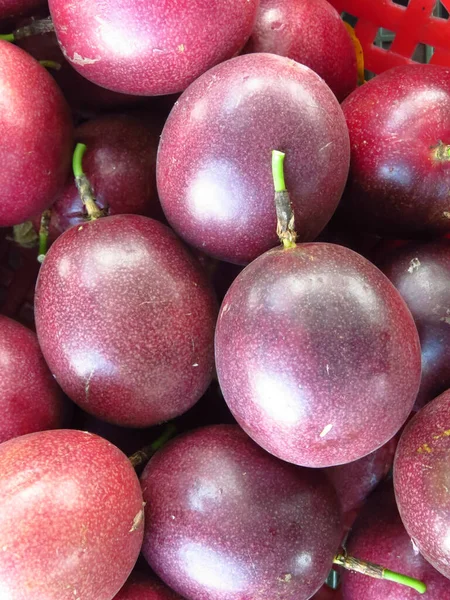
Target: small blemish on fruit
x: 286, y: 578
x: 424, y: 448
x: 326, y: 429
x: 137, y: 520
x: 414, y: 265
x: 181, y: 48
x: 446, y: 214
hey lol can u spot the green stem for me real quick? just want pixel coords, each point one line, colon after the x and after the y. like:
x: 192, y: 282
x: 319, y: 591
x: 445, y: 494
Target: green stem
x: 378, y: 572
x: 7, y: 37
x: 144, y: 455
x: 278, y: 170
x: 83, y: 184
x: 50, y: 64
x: 77, y: 160
x: 43, y: 234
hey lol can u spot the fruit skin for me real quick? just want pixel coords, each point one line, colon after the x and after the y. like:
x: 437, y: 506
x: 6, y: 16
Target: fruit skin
x: 317, y: 355
x: 326, y: 593
x: 150, y: 48
x: 141, y: 586
x: 378, y: 536
x: 15, y: 8
x: 421, y: 273
x: 120, y: 163
x: 422, y: 481
x: 30, y: 399
x: 70, y: 516
x: 214, y: 159
x: 227, y: 521
x: 134, y: 316
x: 37, y: 131
x: 397, y: 186
x: 312, y: 33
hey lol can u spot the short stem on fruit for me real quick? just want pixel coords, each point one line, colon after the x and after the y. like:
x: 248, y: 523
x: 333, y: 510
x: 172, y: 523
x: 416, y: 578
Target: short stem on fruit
x: 7, y: 37
x: 285, y: 214
x: 37, y: 27
x: 83, y: 184
x: 378, y: 572
x: 43, y: 234
x: 50, y: 64
x: 144, y: 455
x: 442, y: 151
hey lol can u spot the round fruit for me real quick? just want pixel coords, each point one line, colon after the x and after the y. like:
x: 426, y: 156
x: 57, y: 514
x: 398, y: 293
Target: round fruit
x: 227, y: 521
x: 214, y: 161
x: 150, y: 47
x: 141, y: 586
x: 37, y: 131
x: 71, y: 517
x: 399, y: 128
x: 312, y: 33
x: 125, y: 318
x: 317, y: 354
x: 378, y: 536
x: 422, y: 481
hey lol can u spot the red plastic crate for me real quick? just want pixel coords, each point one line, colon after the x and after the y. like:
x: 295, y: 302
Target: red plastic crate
x: 412, y: 25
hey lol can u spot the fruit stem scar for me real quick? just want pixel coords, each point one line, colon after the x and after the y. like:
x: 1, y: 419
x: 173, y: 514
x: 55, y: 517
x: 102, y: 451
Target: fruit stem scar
x: 83, y: 184
x: 441, y: 151
x: 378, y: 572
x: 144, y: 455
x: 285, y: 214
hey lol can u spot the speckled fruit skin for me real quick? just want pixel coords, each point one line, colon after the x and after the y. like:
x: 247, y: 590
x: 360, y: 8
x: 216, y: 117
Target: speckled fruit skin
x: 317, y: 354
x: 141, y: 586
x: 397, y: 185
x: 151, y: 47
x: 120, y: 163
x: 422, y: 481
x: 15, y: 8
x: 125, y: 319
x: 421, y: 273
x: 356, y: 480
x: 312, y: 33
x: 37, y: 137
x: 70, y: 515
x: 326, y: 593
x: 227, y: 521
x: 214, y: 159
x: 30, y: 399
x: 378, y: 536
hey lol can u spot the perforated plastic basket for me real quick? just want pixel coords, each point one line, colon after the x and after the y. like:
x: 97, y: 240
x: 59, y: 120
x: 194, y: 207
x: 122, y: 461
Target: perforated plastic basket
x: 410, y: 25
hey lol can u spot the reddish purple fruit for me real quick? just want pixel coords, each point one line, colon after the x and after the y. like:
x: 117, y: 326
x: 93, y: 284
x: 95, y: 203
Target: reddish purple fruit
x: 150, y: 48
x: 399, y: 126
x: 312, y: 33
x: 30, y: 399
x: 120, y: 163
x: 141, y: 586
x: 317, y: 354
x: 356, y: 480
x: 227, y: 521
x: 71, y: 517
x: 378, y: 536
x: 421, y: 273
x: 326, y: 593
x: 422, y: 481
x: 214, y: 162
x: 125, y: 318
x: 16, y: 8
x: 35, y: 121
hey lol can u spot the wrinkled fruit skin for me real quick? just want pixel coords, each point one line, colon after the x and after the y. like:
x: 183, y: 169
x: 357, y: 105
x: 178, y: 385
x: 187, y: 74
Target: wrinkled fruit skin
x: 35, y: 120
x: 399, y: 178
x: 120, y: 163
x: 214, y: 160
x: 378, y: 536
x: 150, y: 48
x: 134, y: 316
x: 70, y: 516
x: 422, y: 481
x: 227, y: 521
x: 312, y: 33
x: 317, y: 355
x: 30, y: 399
x: 16, y: 8
x: 421, y: 273
x: 141, y: 586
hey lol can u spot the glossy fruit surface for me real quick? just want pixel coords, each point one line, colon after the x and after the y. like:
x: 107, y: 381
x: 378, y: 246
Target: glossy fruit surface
x: 399, y: 128
x: 312, y: 33
x: 150, y: 47
x: 421, y: 273
x: 317, y: 354
x: 214, y: 160
x: 37, y: 131
x: 71, y: 517
x: 422, y: 481
x: 134, y: 316
x: 30, y: 399
x: 227, y: 521
x: 141, y: 586
x: 378, y: 536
